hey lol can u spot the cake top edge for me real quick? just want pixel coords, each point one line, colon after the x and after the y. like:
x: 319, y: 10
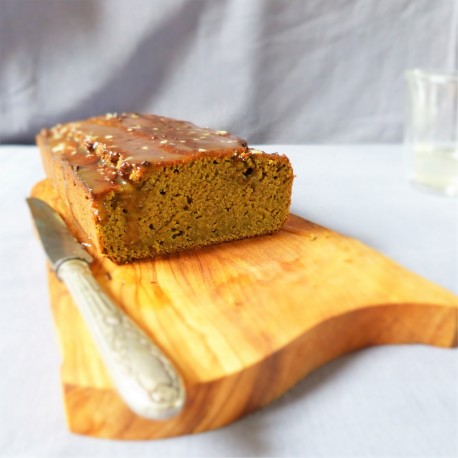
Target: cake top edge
x: 136, y: 138
x: 112, y: 149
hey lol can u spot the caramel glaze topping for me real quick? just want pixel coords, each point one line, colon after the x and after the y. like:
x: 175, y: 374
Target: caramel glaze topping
x: 112, y: 151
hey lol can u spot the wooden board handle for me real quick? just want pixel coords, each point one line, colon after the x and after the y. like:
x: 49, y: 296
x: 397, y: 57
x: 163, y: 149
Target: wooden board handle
x: 142, y: 374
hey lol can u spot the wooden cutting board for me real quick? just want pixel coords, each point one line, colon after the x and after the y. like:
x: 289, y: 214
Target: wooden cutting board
x: 243, y: 322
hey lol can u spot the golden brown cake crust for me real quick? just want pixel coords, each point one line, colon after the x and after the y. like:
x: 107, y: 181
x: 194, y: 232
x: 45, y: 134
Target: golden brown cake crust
x: 145, y: 185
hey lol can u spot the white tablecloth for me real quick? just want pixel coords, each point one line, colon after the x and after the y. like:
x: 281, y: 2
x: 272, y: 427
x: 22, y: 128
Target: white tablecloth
x: 392, y: 401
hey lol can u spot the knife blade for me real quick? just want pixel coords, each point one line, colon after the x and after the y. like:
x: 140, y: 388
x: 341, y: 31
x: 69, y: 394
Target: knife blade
x: 58, y: 242
x: 144, y: 377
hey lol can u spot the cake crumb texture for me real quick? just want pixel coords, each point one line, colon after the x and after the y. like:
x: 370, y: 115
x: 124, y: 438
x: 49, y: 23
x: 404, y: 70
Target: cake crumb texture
x: 143, y: 185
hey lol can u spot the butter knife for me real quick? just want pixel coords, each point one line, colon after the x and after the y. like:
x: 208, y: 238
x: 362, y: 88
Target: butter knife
x: 144, y: 377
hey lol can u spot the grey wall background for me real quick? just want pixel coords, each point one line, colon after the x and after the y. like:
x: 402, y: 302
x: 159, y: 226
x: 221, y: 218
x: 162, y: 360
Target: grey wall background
x: 272, y: 71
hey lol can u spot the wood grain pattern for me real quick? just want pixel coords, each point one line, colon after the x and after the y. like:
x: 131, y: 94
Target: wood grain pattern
x: 244, y: 321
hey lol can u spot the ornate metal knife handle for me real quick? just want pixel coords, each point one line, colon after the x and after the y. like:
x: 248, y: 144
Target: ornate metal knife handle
x: 142, y: 374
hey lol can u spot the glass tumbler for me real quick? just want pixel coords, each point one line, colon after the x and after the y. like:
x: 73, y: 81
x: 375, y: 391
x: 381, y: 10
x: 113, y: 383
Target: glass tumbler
x: 431, y: 130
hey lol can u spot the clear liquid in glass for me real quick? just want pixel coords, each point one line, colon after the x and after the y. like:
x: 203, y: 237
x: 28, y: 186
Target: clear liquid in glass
x: 436, y: 167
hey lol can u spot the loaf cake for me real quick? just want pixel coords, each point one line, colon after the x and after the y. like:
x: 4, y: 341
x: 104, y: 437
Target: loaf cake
x: 144, y: 185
